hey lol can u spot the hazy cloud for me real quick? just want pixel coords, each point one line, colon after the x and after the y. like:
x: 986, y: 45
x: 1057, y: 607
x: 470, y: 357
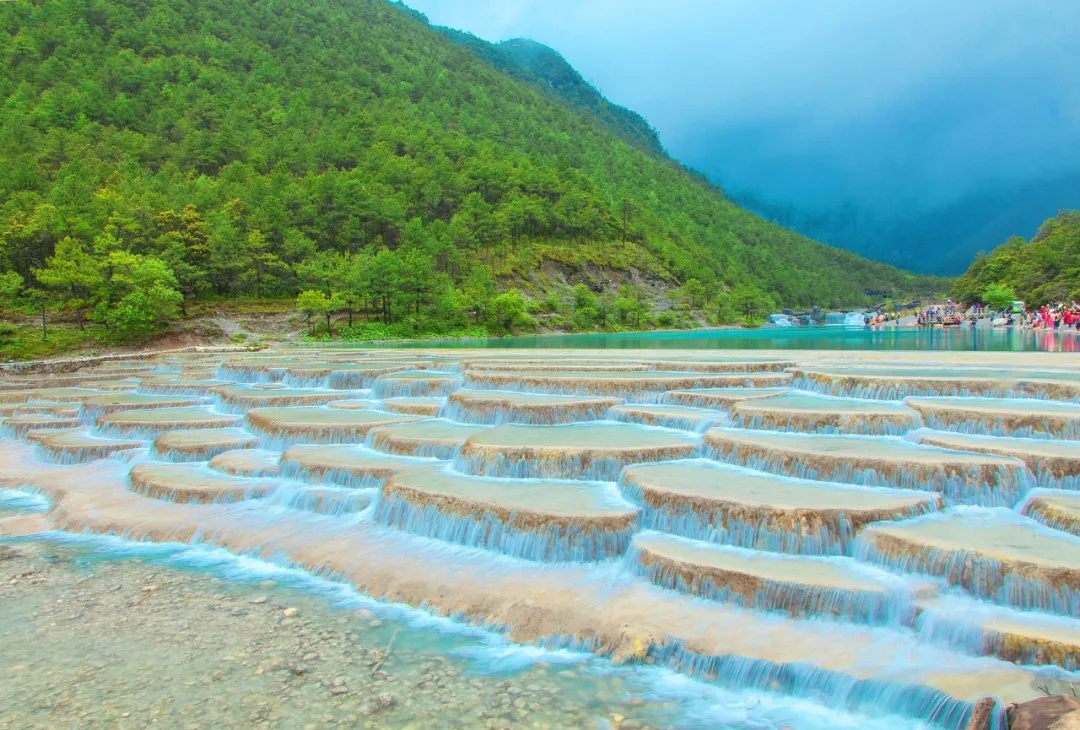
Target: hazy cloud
x: 818, y: 101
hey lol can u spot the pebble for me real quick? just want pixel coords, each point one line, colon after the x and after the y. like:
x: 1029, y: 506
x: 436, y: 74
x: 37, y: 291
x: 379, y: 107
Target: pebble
x: 135, y: 651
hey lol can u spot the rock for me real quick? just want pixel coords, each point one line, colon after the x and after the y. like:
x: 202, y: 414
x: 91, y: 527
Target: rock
x: 375, y: 624
x: 384, y: 700
x: 983, y: 714
x: 1045, y: 713
x: 259, y: 600
x: 290, y: 612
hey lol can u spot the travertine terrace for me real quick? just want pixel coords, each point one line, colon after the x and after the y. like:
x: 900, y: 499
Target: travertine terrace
x: 867, y: 531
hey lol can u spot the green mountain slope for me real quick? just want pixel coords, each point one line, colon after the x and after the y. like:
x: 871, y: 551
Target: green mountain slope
x: 1044, y: 270
x: 243, y: 144
x: 545, y: 69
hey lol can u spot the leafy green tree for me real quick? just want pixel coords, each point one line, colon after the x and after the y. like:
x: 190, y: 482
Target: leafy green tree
x: 146, y: 294
x: 998, y: 296
x: 478, y: 291
x: 313, y: 302
x: 508, y: 311
x: 749, y: 302
x: 73, y: 275
x: 692, y: 293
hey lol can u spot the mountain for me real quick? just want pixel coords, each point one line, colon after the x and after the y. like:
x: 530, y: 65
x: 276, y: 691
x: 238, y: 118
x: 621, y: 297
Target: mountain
x: 941, y: 240
x: 1044, y: 270
x: 545, y: 69
x: 255, y: 149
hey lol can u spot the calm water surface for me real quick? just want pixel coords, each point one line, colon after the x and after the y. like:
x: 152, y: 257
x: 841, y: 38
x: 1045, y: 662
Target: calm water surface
x: 785, y: 338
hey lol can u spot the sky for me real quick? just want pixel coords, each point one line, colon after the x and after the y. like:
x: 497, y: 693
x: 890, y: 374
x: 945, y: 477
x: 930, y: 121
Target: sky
x: 894, y: 105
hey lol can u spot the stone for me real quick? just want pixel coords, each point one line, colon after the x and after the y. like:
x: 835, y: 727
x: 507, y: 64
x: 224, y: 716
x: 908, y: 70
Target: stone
x: 1045, y: 713
x: 983, y: 715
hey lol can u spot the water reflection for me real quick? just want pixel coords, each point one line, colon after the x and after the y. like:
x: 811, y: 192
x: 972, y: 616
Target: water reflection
x: 782, y: 338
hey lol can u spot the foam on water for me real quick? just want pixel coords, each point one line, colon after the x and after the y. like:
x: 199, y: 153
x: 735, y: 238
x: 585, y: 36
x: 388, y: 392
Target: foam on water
x: 814, y: 549
x: 696, y: 703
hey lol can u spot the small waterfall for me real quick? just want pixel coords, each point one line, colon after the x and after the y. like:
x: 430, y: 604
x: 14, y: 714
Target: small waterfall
x: 651, y: 509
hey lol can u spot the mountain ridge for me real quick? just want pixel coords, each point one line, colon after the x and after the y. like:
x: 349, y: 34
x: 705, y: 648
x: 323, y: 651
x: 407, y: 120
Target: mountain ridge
x: 252, y: 150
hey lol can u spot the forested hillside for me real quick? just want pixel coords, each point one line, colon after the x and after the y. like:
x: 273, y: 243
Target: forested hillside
x: 1044, y: 270
x: 545, y: 69
x: 158, y: 151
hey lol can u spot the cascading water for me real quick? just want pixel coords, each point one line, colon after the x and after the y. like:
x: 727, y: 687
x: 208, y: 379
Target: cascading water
x: 696, y: 515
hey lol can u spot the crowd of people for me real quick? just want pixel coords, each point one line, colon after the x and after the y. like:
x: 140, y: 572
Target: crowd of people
x: 1057, y: 316
x: 943, y: 314
x: 1048, y: 317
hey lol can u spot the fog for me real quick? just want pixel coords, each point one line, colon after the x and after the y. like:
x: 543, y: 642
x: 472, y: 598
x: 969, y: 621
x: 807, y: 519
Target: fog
x: 890, y: 107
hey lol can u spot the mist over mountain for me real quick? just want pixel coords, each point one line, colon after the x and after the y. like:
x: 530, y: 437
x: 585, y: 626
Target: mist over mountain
x: 891, y: 129
x: 941, y: 240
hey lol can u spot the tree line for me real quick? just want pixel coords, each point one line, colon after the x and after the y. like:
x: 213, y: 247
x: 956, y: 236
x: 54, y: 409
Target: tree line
x: 239, y: 145
x: 1044, y: 270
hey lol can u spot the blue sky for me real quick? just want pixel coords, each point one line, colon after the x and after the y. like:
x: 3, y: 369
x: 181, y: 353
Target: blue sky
x: 892, y: 104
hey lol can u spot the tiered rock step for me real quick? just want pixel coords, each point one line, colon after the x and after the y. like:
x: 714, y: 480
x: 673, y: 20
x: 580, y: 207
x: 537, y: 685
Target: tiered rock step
x: 720, y: 398
x: 669, y: 416
x: 497, y: 407
x: 187, y: 483
x: 37, y: 436
x: 1022, y: 637
x: 563, y: 361
x: 54, y: 381
x: 180, y: 386
x: 60, y: 410
x: 733, y: 505
x: 331, y: 500
x: 415, y: 384
x: 797, y: 585
x: 818, y: 414
x: 254, y: 369
x: 1000, y: 416
x: 248, y: 463
x: 12, y: 397
x: 992, y: 553
x: 79, y: 446
x: 547, y: 366
x: 1055, y: 508
x: 427, y: 407
x: 347, y: 466
x: 874, y: 461
x: 99, y: 405
x: 238, y: 398
x: 615, y: 384
x: 437, y: 439
x: 721, y: 366
x: 18, y: 425
x: 894, y: 383
x: 202, y: 445
x: 341, y: 376
x: 355, y: 404
x: 67, y: 395
x: 865, y: 668
x: 595, y: 451
x: 111, y: 385
x: 155, y: 422
x: 534, y: 519
x: 1054, y: 462
x: 319, y: 425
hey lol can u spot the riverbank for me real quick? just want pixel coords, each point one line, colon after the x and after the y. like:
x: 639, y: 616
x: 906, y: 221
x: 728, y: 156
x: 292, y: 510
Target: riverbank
x: 96, y: 640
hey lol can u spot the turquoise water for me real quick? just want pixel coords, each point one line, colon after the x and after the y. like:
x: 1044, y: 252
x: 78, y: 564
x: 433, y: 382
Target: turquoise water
x: 783, y: 338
